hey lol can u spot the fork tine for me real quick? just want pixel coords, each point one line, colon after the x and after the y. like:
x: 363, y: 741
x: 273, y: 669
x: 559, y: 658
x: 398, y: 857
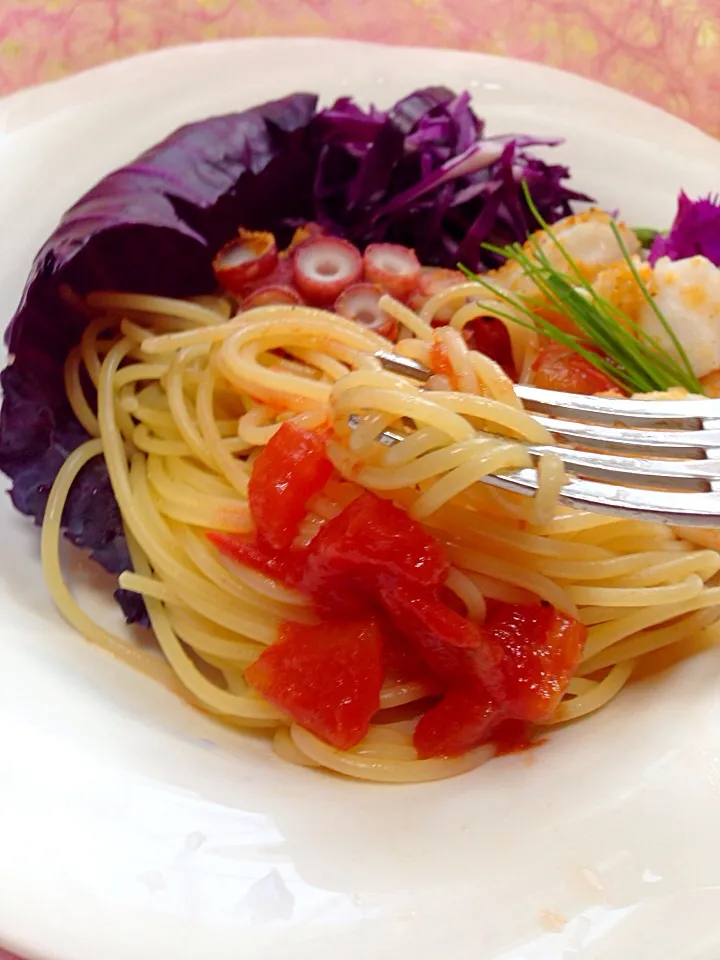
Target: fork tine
x: 684, y: 509
x: 635, y: 471
x: 678, y: 414
x: 668, y: 443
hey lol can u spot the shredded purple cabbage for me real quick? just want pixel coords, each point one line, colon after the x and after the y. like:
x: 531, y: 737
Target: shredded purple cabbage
x: 422, y: 174
x: 695, y: 231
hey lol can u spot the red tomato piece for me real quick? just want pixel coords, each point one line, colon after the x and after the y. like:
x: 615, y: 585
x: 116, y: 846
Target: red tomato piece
x: 455, y: 649
x: 489, y: 335
x: 541, y: 648
x: 513, y: 736
x: 401, y: 661
x: 371, y: 543
x: 326, y: 677
x: 291, y: 469
x: 461, y: 721
x: 284, y: 565
x: 557, y: 367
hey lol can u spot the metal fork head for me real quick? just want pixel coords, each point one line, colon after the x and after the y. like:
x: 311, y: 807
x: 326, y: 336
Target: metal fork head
x: 644, y: 459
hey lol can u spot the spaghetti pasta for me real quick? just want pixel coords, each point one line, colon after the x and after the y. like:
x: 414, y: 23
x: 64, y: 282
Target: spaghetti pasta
x: 188, y: 396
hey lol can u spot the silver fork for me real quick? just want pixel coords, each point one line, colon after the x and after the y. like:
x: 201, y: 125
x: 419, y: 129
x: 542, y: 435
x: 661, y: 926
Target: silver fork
x: 657, y: 459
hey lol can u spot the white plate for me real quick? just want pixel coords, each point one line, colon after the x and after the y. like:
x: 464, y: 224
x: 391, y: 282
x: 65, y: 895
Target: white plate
x: 133, y: 829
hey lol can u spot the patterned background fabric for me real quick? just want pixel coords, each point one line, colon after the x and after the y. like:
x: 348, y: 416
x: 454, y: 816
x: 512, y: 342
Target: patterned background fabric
x: 665, y: 51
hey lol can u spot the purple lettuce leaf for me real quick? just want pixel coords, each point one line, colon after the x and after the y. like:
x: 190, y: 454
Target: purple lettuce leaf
x: 695, y: 231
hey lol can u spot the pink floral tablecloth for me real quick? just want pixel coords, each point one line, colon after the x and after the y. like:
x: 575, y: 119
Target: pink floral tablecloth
x: 666, y: 51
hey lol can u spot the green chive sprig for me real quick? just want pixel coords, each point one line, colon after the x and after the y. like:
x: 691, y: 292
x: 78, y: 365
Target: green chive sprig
x: 629, y: 356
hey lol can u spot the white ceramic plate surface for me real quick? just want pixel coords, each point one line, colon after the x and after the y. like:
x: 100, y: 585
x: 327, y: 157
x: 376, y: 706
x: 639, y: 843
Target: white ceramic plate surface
x: 132, y: 828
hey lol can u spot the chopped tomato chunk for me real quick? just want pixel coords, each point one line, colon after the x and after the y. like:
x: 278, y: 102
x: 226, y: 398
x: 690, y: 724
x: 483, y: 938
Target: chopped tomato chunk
x: 372, y: 542
x: 462, y: 720
x: 489, y: 335
x: 291, y: 469
x: 513, y: 736
x: 454, y: 648
x: 401, y: 661
x: 326, y: 677
x: 284, y: 566
x: 557, y: 367
x: 541, y: 649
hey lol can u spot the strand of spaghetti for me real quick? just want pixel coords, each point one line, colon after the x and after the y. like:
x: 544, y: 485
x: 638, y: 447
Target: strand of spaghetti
x: 647, y: 641
x: 404, y: 315
x: 423, y: 468
x: 146, y: 303
x: 551, y: 480
x: 638, y: 596
x: 286, y: 750
x: 493, y: 588
x: 76, y: 395
x: 477, y: 562
x: 236, y: 521
x: 230, y: 510
x: 652, y: 562
x: 91, y: 347
x: 605, y: 635
x: 315, y: 359
x: 235, y: 471
x: 397, y: 693
x: 147, y: 586
x: 208, y: 638
x: 572, y: 524
x: 217, y: 700
x: 705, y: 563
x: 459, y: 358
x: 199, y: 478
x: 197, y: 592
x: 349, y: 399
x: 524, y: 543
x: 141, y: 518
x: 143, y: 661
x: 503, y: 456
x: 586, y: 703
x: 386, y: 771
x: 468, y: 591
x: 148, y: 442
x: 258, y: 426
x: 179, y: 408
x: 414, y: 446
x: 282, y: 602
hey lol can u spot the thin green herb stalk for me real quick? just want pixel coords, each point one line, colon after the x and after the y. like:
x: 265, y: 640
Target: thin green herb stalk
x: 693, y: 383
x: 536, y: 323
x: 603, y: 333
x: 653, y: 305
x: 636, y: 381
x: 644, y: 364
x: 646, y: 346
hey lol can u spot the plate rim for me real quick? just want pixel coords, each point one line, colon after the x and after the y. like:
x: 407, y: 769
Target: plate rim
x: 70, y: 84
